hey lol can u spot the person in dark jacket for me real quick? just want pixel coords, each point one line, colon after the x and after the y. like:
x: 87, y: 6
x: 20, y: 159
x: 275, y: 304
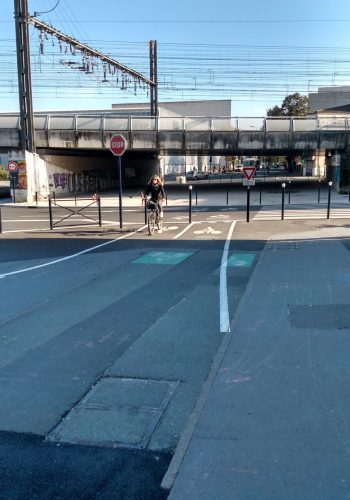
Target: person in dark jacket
x: 155, y: 189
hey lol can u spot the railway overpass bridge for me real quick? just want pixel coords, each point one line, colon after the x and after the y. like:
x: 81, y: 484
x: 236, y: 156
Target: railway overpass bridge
x: 71, y: 144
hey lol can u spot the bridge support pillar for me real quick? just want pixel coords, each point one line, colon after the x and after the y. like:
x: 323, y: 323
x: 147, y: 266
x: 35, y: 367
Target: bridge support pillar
x: 333, y: 168
x: 342, y: 171
x: 311, y: 166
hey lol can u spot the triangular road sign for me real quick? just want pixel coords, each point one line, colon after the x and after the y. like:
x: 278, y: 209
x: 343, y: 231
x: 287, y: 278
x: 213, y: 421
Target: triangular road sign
x: 249, y: 172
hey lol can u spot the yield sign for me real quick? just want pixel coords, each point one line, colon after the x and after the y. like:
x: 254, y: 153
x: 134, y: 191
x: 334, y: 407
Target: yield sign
x: 249, y: 172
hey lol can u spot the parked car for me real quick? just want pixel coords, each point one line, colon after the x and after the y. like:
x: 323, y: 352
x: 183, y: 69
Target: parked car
x: 195, y: 175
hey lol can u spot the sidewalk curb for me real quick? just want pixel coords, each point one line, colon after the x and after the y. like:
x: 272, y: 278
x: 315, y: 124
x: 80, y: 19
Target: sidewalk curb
x: 186, y: 436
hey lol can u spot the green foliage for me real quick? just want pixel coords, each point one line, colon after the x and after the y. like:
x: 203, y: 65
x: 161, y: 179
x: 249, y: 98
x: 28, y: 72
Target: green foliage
x: 275, y: 111
x: 4, y: 175
x: 292, y: 105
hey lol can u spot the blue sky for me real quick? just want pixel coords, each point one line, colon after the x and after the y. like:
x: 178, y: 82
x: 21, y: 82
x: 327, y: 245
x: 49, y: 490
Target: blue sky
x: 255, y: 30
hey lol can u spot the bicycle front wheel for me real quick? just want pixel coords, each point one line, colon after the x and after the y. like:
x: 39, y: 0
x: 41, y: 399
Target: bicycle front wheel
x: 151, y: 222
x: 159, y: 224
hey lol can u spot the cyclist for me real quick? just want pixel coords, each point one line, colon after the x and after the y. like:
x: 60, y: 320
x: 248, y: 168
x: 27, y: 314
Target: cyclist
x: 155, y: 188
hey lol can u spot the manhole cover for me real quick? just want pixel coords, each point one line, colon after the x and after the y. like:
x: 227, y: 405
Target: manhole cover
x: 116, y: 412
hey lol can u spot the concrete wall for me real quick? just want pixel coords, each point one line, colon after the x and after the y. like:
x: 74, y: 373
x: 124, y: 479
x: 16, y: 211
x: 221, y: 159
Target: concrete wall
x: 329, y: 97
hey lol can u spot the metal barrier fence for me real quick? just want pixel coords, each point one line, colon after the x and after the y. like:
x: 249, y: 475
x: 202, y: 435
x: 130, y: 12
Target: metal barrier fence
x: 39, y: 196
x: 96, y: 201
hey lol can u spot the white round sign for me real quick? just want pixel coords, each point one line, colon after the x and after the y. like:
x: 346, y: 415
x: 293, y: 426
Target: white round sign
x: 12, y: 166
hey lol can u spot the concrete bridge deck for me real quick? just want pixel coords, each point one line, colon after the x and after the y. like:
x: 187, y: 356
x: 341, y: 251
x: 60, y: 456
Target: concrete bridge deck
x: 180, y: 135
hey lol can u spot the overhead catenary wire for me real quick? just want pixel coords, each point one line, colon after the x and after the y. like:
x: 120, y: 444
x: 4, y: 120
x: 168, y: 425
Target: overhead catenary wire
x: 191, y: 71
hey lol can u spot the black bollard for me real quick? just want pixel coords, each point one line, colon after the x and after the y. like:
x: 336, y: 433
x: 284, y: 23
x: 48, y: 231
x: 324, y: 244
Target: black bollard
x: 189, y: 204
x: 289, y: 183
x: 329, y: 198
x: 227, y: 197
x: 248, y: 202
x: 283, y: 192
x: 319, y: 191
x: 0, y: 222
x: 50, y: 213
x: 99, y: 211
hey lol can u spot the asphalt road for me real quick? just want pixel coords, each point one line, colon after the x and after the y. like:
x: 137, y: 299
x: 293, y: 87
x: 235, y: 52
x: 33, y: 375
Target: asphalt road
x: 107, y: 336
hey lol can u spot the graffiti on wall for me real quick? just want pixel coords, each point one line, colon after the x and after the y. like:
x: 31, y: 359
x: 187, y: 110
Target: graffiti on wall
x: 60, y: 180
x: 75, y: 182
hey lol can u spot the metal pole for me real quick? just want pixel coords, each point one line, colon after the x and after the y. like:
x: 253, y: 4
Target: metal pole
x: 0, y: 222
x: 248, y: 202
x: 283, y: 191
x: 24, y: 76
x: 260, y: 197
x: 120, y: 191
x: 99, y: 211
x: 329, y: 198
x: 189, y: 204
x: 50, y: 213
x: 227, y: 197
x: 289, y: 182
x: 145, y: 209
x: 319, y: 191
x: 196, y: 196
x: 13, y: 185
x: 153, y: 77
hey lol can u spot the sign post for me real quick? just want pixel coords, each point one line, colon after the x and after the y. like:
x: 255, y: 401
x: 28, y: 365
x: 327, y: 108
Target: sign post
x: 118, y: 146
x: 248, y: 181
x: 13, y: 168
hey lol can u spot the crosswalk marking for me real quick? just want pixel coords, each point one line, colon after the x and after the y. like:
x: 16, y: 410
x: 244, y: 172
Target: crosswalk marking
x: 304, y: 213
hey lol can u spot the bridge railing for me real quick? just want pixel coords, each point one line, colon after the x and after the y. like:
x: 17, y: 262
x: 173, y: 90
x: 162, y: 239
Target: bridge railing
x: 113, y: 122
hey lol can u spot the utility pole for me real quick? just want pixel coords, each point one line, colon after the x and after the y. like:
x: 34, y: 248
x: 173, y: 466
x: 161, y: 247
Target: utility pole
x: 153, y: 77
x: 24, y: 76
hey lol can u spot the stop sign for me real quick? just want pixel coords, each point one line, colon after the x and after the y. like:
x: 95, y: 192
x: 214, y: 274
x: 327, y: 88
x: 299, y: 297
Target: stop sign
x: 118, y: 144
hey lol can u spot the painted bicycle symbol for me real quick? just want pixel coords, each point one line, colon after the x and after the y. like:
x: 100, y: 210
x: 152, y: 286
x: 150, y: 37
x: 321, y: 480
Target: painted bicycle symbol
x: 208, y: 230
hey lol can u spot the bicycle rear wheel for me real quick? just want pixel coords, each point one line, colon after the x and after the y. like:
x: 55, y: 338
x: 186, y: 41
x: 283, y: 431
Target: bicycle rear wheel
x: 151, y: 222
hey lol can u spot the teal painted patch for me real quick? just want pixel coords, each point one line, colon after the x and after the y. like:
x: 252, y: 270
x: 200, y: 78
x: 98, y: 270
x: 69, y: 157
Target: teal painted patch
x: 170, y: 258
x: 241, y: 259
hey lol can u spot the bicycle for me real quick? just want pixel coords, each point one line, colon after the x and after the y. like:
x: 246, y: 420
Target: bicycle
x: 153, y: 218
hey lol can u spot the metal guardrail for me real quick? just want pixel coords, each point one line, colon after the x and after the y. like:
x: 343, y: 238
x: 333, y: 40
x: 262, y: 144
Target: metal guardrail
x: 111, y: 121
x: 96, y: 201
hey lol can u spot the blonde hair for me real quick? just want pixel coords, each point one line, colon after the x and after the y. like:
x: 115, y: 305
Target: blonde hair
x: 159, y: 180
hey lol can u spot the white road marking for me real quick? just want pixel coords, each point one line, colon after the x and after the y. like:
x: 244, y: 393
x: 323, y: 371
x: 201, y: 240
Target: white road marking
x: 169, y: 228
x: 224, y: 312
x: 72, y: 256
x: 220, y: 216
x: 184, y: 230
x: 208, y: 230
x: 302, y: 213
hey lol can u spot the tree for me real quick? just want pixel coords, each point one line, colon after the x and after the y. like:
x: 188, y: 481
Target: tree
x: 292, y: 105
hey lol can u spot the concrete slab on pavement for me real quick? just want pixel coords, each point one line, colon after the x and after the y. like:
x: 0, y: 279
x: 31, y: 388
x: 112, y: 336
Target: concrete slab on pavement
x: 275, y: 424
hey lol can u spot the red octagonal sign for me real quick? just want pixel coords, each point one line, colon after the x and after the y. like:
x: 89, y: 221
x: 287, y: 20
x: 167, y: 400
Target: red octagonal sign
x: 118, y: 144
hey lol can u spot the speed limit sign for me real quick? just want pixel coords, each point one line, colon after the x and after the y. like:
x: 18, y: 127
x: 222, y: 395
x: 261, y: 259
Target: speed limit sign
x: 12, y: 166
